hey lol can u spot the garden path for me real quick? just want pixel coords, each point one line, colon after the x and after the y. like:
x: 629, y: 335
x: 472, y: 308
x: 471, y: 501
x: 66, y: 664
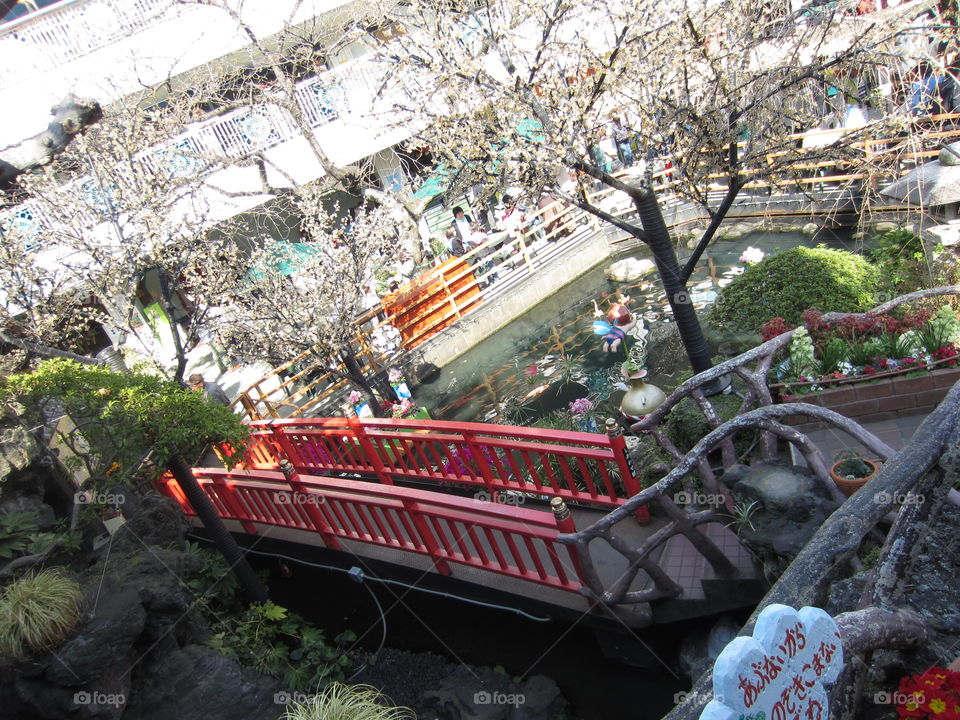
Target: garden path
x: 895, y: 432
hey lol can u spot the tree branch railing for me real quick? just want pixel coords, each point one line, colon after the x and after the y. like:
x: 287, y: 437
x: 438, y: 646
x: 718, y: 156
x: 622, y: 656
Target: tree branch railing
x: 807, y: 578
x: 756, y: 413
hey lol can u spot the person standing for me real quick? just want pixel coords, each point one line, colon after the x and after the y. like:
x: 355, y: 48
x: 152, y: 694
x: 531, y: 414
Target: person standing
x: 210, y: 389
x: 463, y: 225
x: 622, y: 137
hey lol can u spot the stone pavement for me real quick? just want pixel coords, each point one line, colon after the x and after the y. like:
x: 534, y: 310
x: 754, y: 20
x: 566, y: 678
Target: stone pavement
x: 895, y: 432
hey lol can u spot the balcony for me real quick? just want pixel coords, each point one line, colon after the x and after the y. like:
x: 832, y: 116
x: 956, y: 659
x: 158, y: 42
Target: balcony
x: 106, y: 49
x: 344, y: 111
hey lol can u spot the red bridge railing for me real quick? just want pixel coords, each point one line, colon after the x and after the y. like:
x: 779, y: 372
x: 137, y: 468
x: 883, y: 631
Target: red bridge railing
x: 508, y: 540
x: 588, y: 468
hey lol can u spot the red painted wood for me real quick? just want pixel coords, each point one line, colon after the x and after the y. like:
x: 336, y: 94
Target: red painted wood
x: 446, y: 528
x: 576, y: 466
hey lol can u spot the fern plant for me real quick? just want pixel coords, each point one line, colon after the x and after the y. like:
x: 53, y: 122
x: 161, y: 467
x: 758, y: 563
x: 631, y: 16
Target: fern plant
x: 274, y: 641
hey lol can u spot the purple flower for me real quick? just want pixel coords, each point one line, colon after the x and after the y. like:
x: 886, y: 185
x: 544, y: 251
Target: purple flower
x: 354, y: 397
x: 581, y: 406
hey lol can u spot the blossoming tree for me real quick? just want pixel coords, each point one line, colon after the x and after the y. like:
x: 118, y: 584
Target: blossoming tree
x: 513, y: 95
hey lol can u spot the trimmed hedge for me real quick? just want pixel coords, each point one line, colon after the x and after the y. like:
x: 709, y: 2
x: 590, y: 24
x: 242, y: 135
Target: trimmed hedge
x: 786, y: 284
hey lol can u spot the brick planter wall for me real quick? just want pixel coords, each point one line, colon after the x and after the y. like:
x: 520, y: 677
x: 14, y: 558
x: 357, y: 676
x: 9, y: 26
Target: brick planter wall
x: 881, y: 399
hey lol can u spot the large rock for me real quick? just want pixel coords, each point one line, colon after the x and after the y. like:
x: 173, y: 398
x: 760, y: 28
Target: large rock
x: 629, y: 269
x: 17, y: 450
x: 791, y: 505
x: 153, y: 518
x: 198, y: 683
x: 42, y: 513
x: 950, y: 155
x: 482, y: 694
x: 947, y: 234
x: 101, y: 643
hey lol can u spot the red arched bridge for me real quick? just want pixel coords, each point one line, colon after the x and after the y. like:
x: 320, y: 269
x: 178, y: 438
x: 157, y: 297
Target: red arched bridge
x: 494, y: 505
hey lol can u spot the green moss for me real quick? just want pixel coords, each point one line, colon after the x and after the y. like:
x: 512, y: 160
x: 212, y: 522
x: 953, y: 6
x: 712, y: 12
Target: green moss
x: 786, y: 284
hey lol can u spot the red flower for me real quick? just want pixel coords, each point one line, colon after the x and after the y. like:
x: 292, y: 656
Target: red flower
x: 775, y: 326
x: 935, y: 693
x: 869, y: 370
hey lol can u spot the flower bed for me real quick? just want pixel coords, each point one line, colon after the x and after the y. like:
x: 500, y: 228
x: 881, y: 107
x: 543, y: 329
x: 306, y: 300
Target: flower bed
x: 869, y: 399
x: 869, y: 367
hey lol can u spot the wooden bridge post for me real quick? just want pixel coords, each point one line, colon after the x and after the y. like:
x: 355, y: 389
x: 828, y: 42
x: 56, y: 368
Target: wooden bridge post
x: 360, y: 433
x: 625, y: 466
x: 288, y: 448
x: 225, y: 493
x: 427, y: 536
x: 566, y: 524
x: 477, y: 452
x: 316, y: 517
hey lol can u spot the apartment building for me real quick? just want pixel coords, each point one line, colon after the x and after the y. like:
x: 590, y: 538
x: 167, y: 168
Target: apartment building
x: 113, y: 51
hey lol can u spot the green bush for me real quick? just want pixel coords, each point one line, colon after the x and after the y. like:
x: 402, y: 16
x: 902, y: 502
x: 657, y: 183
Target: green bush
x: 786, y: 284
x: 122, y: 416
x: 902, y: 262
x: 37, y: 612
x: 686, y: 424
x: 280, y: 643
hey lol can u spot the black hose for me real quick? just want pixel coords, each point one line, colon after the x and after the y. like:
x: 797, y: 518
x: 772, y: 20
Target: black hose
x: 252, y: 587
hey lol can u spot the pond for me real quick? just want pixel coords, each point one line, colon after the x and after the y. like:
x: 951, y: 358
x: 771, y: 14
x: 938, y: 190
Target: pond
x: 550, y: 356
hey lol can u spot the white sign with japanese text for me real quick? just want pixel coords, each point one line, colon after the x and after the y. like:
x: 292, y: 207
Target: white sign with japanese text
x: 780, y: 672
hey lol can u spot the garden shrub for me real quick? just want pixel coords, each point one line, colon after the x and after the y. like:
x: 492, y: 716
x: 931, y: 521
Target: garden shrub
x: 686, y: 424
x: 277, y: 642
x: 122, y: 416
x: 902, y: 262
x: 786, y: 284
x: 37, y: 612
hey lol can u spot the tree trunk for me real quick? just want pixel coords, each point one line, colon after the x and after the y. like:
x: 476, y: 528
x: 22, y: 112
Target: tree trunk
x: 355, y: 373
x: 70, y: 117
x: 688, y: 325
x: 254, y: 589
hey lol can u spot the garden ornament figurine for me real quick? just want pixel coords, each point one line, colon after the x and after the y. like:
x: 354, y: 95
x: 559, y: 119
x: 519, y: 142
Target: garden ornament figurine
x: 641, y: 398
x: 618, y: 323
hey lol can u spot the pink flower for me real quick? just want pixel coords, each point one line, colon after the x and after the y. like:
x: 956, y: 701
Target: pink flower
x: 354, y: 397
x: 580, y: 406
x: 395, y: 375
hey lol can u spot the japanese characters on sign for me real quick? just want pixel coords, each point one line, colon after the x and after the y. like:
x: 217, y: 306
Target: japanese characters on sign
x: 780, y: 672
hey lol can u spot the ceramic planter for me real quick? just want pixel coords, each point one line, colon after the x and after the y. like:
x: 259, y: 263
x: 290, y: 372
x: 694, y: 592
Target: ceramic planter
x: 849, y: 485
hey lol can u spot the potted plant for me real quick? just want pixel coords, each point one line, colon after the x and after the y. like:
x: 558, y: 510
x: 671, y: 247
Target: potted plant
x: 851, y: 470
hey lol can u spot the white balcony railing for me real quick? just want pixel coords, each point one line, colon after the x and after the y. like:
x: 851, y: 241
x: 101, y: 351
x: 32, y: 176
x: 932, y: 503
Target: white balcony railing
x: 344, y: 95
x: 69, y: 30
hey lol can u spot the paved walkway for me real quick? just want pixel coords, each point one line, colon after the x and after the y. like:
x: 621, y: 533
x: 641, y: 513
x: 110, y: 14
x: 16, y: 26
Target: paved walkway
x: 896, y: 433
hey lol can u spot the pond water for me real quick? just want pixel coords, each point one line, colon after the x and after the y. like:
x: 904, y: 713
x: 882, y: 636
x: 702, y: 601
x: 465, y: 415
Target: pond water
x: 550, y: 356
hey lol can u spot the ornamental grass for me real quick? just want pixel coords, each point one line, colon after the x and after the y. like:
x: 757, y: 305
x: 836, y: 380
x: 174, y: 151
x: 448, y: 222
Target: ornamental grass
x: 37, y: 612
